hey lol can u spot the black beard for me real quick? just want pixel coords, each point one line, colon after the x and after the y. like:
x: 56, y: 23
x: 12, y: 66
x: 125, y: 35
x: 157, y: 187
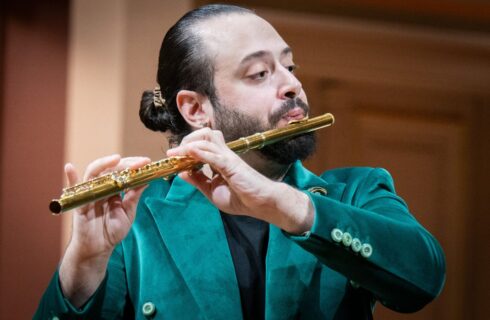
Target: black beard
x: 288, y: 151
x: 235, y: 124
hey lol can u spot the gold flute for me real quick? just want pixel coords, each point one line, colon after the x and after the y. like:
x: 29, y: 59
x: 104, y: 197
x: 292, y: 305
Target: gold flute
x: 115, y: 182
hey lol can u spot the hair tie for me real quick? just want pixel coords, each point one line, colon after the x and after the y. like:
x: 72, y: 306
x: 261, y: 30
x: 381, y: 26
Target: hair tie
x: 158, y: 100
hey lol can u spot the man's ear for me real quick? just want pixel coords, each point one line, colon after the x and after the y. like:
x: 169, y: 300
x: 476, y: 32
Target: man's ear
x: 191, y: 106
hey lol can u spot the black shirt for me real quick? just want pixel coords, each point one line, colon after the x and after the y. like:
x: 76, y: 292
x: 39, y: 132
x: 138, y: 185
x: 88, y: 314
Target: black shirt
x: 248, y: 239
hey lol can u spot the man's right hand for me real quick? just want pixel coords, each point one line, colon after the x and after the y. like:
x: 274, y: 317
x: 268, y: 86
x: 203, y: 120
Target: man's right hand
x: 97, y: 228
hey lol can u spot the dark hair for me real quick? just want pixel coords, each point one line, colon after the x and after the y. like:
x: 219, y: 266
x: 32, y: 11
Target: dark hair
x: 183, y: 64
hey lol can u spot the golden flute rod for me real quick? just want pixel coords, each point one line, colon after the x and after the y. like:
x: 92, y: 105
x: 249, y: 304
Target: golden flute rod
x: 115, y: 182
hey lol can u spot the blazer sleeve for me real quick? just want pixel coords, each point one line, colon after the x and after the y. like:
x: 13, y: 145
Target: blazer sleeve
x: 374, y: 241
x: 108, y: 302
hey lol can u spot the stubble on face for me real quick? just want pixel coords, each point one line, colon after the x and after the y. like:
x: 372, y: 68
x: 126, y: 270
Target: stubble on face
x: 235, y: 124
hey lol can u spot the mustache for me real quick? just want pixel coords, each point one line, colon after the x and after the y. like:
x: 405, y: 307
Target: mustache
x: 288, y: 105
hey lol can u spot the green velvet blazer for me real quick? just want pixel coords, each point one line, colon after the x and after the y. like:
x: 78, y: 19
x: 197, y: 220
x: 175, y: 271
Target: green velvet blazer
x: 175, y: 263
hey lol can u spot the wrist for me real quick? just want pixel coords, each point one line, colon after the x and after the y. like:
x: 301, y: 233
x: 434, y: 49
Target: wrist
x: 89, y: 252
x: 80, y: 260
x: 79, y: 276
x: 293, y: 209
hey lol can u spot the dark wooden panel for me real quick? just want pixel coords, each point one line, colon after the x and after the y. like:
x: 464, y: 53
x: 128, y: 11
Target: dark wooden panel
x: 479, y: 220
x: 33, y: 112
x: 463, y: 15
x: 426, y: 159
x: 2, y: 50
x: 432, y: 137
x: 425, y: 148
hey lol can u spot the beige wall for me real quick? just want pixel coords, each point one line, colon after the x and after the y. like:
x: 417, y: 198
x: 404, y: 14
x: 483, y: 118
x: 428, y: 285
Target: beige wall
x: 113, y: 56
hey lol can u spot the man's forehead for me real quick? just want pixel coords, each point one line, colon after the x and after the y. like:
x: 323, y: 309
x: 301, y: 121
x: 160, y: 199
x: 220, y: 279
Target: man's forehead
x: 234, y: 36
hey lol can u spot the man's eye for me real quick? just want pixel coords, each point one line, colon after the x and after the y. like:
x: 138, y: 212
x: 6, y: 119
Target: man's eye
x: 292, y: 68
x: 259, y: 75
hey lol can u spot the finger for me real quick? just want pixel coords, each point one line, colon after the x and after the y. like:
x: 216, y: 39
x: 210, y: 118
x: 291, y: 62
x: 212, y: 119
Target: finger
x: 187, y: 149
x: 131, y: 199
x: 218, y: 137
x: 132, y: 163
x: 205, y: 134
x: 223, y: 160
x: 199, y: 180
x: 114, y: 202
x: 98, y: 166
x: 200, y: 134
x: 71, y: 174
x: 219, y: 162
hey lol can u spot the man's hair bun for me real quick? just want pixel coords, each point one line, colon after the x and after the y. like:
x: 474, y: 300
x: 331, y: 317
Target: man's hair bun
x: 155, y: 118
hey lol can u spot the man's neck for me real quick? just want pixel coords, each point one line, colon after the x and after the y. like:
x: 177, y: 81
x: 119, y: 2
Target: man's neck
x: 268, y: 168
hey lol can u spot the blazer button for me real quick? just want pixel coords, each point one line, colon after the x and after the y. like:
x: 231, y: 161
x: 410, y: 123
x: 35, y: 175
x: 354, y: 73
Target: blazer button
x: 356, y: 245
x: 336, y: 235
x: 346, y: 239
x: 318, y: 190
x: 148, y: 309
x: 354, y: 284
x: 366, y: 250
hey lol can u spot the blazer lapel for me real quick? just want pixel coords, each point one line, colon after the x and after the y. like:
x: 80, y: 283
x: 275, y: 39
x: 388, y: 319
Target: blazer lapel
x: 192, y: 230
x: 303, y: 179
x: 289, y: 267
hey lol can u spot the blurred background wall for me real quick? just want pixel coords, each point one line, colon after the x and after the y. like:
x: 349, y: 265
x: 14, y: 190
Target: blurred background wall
x: 409, y: 83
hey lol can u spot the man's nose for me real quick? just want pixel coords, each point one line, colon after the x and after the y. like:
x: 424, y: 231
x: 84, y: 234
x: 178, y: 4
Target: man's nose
x: 290, y: 86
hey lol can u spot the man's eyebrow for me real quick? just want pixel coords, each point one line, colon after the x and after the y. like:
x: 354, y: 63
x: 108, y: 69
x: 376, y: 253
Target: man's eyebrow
x: 263, y: 53
x: 286, y: 51
x: 254, y: 55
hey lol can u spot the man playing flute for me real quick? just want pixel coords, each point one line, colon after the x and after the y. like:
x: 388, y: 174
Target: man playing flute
x: 257, y: 237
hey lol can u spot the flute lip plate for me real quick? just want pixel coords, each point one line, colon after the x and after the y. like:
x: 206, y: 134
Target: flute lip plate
x: 299, y: 120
